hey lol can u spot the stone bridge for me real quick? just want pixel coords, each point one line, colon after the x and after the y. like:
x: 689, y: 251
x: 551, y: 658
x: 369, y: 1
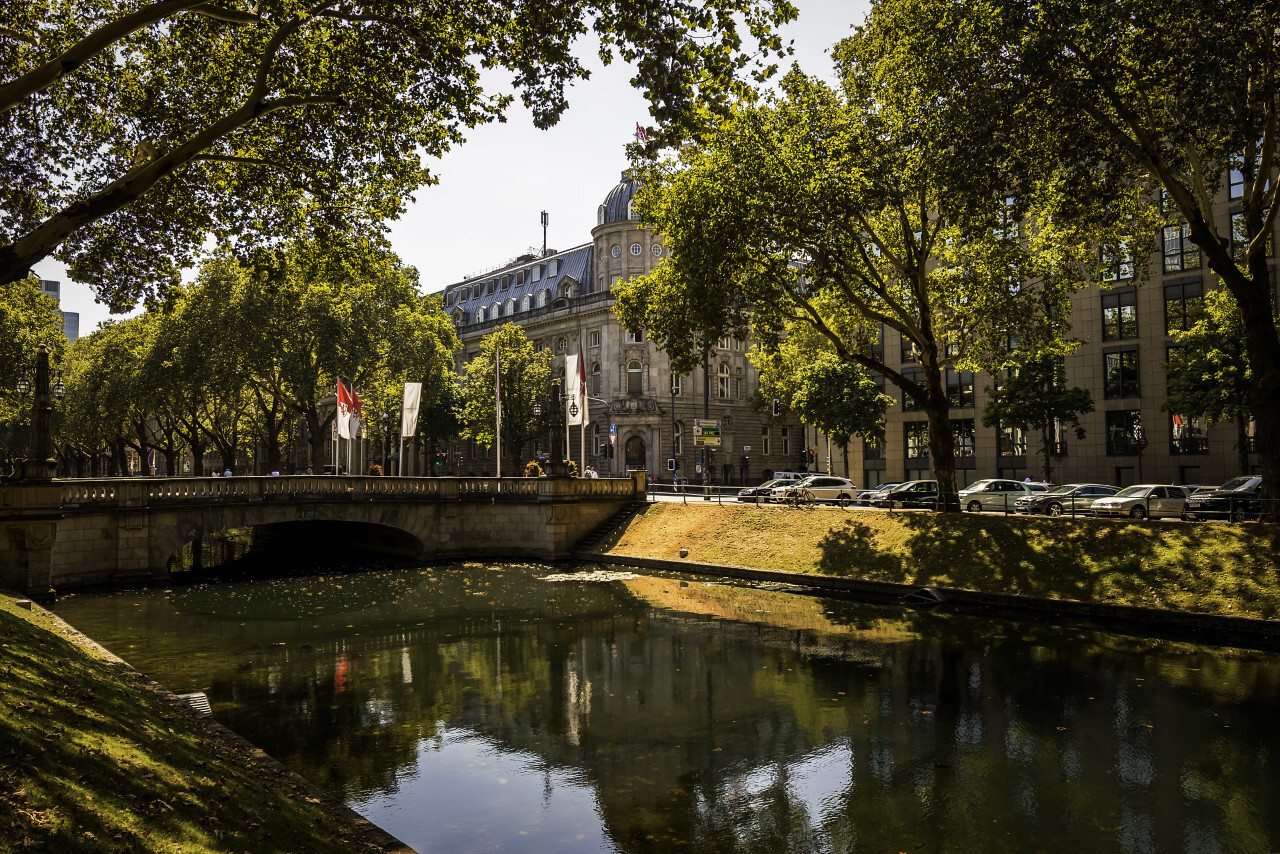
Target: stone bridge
x: 70, y: 533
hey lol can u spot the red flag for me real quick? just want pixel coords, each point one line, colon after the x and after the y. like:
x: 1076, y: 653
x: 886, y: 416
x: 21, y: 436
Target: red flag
x: 642, y: 135
x: 348, y: 408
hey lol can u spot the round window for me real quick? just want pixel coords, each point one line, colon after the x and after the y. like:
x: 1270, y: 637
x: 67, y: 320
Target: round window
x: 616, y: 251
x: 636, y: 248
x: 657, y: 249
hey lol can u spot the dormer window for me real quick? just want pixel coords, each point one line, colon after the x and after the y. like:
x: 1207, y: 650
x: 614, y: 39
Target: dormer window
x: 535, y: 273
x: 600, y: 216
x: 510, y: 308
x: 505, y: 283
x: 475, y: 292
x: 631, y: 210
x: 480, y: 314
x: 553, y: 268
x: 542, y: 298
x: 520, y: 277
x: 526, y: 302
x: 488, y: 289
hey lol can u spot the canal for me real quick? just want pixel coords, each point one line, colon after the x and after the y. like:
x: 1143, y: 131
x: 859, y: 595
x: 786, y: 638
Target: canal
x: 480, y: 707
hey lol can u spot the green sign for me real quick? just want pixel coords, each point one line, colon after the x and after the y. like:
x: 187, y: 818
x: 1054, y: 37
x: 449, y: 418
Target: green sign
x: 706, y: 433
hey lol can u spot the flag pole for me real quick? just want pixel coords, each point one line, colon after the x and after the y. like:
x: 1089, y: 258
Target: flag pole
x: 497, y: 403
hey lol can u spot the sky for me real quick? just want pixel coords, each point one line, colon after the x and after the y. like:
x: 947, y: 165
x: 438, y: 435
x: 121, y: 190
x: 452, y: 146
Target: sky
x: 486, y: 208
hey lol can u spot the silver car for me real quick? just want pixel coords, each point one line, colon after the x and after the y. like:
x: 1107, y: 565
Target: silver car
x: 1072, y: 499
x: 1155, y: 500
x: 993, y: 494
x: 821, y: 487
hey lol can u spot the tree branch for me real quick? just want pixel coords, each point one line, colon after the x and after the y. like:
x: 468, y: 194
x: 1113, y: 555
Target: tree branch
x: 249, y: 161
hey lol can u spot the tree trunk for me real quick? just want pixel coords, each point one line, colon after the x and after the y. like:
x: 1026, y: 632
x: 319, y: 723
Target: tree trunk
x: 1046, y: 449
x: 1242, y: 443
x: 941, y: 443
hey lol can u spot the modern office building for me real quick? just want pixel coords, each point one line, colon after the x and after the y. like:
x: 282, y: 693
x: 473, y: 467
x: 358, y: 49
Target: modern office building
x: 563, y: 300
x: 70, y: 319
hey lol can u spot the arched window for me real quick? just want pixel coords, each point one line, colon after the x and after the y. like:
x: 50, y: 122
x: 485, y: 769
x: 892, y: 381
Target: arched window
x: 562, y: 344
x: 678, y: 442
x: 542, y: 299
x: 595, y: 378
x: 631, y: 210
x: 511, y: 307
x: 480, y: 314
x: 635, y: 377
x: 525, y: 302
x: 600, y: 216
x: 722, y: 381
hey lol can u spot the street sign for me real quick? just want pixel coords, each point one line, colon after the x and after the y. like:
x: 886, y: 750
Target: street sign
x: 746, y: 449
x: 613, y: 434
x: 706, y: 433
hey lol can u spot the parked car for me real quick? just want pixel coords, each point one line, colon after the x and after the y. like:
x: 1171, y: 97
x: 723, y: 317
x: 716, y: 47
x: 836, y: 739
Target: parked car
x: 1071, y: 499
x: 864, y: 496
x: 1238, y: 499
x: 1138, y: 502
x: 993, y: 494
x: 760, y: 493
x: 913, y: 493
x: 821, y: 486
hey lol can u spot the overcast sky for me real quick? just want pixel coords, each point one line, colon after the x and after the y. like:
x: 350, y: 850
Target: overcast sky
x: 485, y: 208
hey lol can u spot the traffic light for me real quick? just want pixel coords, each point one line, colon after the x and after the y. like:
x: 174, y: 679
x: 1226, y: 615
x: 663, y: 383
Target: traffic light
x: 809, y: 457
x: 671, y: 463
x: 777, y: 407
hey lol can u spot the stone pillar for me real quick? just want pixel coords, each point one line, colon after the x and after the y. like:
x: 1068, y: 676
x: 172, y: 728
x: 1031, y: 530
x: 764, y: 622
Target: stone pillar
x: 40, y: 464
x: 29, y: 516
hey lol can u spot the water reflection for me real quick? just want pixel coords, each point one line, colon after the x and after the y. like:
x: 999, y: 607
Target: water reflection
x: 474, y: 708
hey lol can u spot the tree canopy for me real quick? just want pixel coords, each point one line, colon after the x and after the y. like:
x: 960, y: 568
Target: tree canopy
x: 135, y: 132
x: 525, y: 380
x: 1033, y: 397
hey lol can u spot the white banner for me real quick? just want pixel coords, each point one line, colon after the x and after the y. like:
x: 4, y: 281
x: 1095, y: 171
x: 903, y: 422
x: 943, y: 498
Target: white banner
x: 575, y: 390
x: 409, y: 412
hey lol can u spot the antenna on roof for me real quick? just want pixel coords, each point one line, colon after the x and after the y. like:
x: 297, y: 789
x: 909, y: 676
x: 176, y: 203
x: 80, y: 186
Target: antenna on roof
x: 544, y: 234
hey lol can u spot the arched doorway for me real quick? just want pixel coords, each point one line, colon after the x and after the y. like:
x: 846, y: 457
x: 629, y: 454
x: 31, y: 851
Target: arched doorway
x: 635, y: 453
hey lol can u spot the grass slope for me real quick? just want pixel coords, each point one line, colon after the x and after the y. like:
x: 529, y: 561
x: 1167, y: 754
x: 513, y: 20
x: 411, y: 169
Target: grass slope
x: 94, y: 760
x: 1205, y: 568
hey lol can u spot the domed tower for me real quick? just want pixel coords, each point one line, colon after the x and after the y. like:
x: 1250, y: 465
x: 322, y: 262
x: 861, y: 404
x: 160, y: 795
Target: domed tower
x: 623, y: 247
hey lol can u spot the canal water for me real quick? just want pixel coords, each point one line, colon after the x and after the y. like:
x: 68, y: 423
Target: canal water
x: 493, y: 708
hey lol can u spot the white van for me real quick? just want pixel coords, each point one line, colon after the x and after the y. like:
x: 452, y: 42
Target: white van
x: 792, y: 475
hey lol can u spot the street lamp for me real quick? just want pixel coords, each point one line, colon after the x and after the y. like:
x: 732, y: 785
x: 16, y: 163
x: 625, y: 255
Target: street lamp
x: 383, y: 419
x: 674, y: 427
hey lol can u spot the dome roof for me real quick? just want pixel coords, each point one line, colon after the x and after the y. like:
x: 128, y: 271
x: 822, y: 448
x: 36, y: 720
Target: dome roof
x: 617, y: 203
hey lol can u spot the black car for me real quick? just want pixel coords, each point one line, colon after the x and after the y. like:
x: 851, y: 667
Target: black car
x: 1236, y: 500
x: 920, y: 494
x: 760, y: 493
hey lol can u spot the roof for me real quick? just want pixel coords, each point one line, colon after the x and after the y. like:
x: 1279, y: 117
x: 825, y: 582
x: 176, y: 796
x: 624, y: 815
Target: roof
x: 572, y: 263
x: 618, y: 202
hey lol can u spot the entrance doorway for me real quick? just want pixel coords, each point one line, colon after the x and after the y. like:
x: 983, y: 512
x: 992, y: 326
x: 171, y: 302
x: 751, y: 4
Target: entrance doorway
x: 635, y: 453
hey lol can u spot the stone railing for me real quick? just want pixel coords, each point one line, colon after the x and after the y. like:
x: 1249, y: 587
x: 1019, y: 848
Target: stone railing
x: 167, y: 492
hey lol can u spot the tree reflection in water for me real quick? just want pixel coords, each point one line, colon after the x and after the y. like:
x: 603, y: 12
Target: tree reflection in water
x: 479, y: 706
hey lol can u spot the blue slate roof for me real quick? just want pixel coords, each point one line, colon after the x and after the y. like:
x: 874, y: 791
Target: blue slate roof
x: 619, y: 198
x: 575, y: 263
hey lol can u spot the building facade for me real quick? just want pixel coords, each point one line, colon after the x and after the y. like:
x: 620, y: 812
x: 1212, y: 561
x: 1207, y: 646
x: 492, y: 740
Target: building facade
x: 563, y: 300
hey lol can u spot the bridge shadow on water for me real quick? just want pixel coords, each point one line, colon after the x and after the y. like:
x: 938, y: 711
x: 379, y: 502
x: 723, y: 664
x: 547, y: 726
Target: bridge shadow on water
x: 292, y: 549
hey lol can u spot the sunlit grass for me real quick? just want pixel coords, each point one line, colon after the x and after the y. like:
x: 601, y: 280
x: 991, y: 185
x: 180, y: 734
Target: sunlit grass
x: 95, y: 761
x: 1208, y: 568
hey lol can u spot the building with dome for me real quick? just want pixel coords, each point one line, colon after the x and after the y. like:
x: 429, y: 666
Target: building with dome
x: 563, y: 300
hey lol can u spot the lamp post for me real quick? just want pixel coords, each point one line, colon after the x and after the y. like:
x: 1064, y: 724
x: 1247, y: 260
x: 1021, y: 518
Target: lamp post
x: 545, y: 220
x: 383, y: 419
x: 1140, y: 440
x: 674, y: 388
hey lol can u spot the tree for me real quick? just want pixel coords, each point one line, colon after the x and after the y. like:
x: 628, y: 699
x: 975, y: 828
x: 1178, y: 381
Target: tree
x: 1208, y: 371
x: 856, y: 211
x: 839, y: 398
x: 140, y: 129
x: 525, y: 378
x: 1181, y: 96
x: 1034, y: 398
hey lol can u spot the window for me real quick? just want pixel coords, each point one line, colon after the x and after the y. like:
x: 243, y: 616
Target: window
x: 765, y: 447
x: 475, y: 292
x: 504, y: 283
x: 510, y: 307
x: 596, y: 387
x: 542, y: 298
x: 1120, y: 373
x: 635, y: 377
x: 962, y: 435
x: 1119, y: 314
x: 520, y: 277
x: 1240, y: 239
x: 678, y: 438
x: 613, y: 282
x: 1117, y: 265
x: 1235, y: 184
x: 593, y: 339
x: 631, y: 210
x: 1124, y: 432
x: 600, y: 215
x: 480, y: 314
x: 495, y: 311
x: 635, y: 337
x: 567, y: 291
x: 786, y: 442
x: 915, y: 373
x: 1006, y: 220
x: 526, y: 302
x: 675, y: 384
x: 916, y: 434
x: 535, y: 273
x: 1187, y: 435
x: 615, y: 251
x: 562, y: 344
x: 722, y: 381
x: 636, y: 249
x: 489, y: 286
x: 1011, y: 442
x: 450, y: 297
x: 907, y: 353
x: 600, y: 284
x: 1179, y: 252
x: 1180, y: 300
x: 656, y: 249
x: 553, y: 267
x: 959, y: 387
x: 877, y: 347
x: 872, y: 451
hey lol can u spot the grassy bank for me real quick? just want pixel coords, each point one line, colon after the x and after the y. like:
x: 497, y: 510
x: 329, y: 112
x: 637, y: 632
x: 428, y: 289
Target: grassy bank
x: 1206, y: 568
x: 95, y: 760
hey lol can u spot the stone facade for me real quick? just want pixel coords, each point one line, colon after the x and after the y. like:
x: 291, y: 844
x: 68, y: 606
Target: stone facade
x: 563, y: 301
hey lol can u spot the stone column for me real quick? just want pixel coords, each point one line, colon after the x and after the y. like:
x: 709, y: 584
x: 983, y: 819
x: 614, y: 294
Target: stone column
x: 40, y: 464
